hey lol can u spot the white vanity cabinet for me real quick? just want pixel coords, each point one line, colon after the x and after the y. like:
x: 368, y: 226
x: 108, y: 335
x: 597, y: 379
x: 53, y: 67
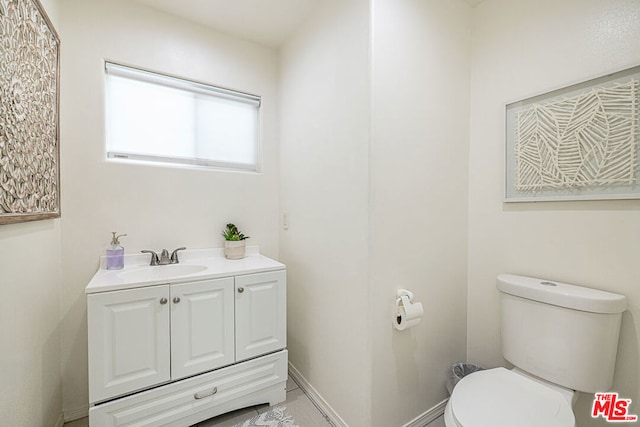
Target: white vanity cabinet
x: 202, y: 326
x: 261, y: 322
x: 179, y: 352
x: 129, y: 341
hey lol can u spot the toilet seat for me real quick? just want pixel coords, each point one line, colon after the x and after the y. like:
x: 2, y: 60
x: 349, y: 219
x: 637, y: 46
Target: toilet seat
x: 502, y: 398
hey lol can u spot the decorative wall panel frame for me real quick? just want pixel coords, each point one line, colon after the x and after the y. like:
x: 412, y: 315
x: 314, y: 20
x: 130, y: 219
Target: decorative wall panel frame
x: 29, y: 113
x: 581, y: 142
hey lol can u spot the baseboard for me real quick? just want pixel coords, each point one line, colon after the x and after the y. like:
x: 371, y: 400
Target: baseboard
x: 428, y: 416
x: 75, y: 414
x: 60, y: 421
x: 315, y: 397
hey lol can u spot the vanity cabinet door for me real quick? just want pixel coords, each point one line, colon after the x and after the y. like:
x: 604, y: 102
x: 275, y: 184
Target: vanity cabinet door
x: 202, y: 334
x: 129, y: 345
x: 261, y: 320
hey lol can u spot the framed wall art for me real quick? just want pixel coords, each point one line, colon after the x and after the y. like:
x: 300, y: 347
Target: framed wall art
x: 581, y: 142
x: 29, y: 113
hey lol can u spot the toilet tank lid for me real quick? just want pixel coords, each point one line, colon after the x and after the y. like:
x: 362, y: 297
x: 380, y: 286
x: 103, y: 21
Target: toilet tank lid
x: 562, y: 294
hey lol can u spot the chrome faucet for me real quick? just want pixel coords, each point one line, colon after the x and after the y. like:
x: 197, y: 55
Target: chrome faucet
x: 174, y: 255
x: 164, y: 258
x: 154, y: 257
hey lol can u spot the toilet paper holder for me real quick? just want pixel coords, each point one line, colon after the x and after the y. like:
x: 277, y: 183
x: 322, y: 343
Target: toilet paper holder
x: 403, y: 293
x: 407, y: 313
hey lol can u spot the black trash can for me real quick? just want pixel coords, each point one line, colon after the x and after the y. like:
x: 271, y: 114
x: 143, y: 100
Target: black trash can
x: 458, y: 371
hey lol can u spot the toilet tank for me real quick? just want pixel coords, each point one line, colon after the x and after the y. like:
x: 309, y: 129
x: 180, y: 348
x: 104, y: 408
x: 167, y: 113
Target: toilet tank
x: 565, y: 334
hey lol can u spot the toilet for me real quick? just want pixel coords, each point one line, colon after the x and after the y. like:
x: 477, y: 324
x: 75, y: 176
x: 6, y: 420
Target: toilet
x: 561, y: 339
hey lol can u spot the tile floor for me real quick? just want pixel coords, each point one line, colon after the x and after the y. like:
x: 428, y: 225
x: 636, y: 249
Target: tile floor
x: 298, y: 406
x: 438, y: 422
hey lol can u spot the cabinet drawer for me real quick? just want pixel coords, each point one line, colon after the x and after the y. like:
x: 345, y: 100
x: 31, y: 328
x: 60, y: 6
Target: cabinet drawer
x: 186, y: 402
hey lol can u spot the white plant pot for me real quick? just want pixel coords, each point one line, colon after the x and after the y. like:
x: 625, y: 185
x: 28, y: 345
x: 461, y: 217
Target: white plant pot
x: 234, y: 249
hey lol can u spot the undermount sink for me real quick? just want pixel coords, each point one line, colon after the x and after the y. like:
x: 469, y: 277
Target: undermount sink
x: 161, y: 272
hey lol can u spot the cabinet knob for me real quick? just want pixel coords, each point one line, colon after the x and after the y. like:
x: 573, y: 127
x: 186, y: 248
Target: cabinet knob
x: 163, y: 301
x: 176, y: 300
x: 240, y: 290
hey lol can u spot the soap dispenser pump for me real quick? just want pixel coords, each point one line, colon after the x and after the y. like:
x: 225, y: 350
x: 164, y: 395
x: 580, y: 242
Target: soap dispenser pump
x: 115, y: 253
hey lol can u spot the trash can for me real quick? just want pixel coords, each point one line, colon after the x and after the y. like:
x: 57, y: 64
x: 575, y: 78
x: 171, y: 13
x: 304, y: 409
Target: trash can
x: 458, y: 371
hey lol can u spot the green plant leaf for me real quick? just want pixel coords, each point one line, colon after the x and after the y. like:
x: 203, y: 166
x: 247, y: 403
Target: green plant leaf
x: 231, y: 233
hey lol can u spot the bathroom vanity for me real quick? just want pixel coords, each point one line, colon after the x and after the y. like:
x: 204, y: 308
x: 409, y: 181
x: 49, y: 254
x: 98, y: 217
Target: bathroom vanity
x: 178, y: 344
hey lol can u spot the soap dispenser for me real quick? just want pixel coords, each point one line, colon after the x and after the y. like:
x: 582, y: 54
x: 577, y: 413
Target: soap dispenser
x: 115, y: 253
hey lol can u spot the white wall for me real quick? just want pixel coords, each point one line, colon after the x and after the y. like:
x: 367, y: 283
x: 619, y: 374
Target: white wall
x: 365, y: 216
x: 520, y: 49
x: 29, y: 323
x: 159, y: 207
x: 51, y: 7
x: 420, y: 89
x: 324, y: 127
x: 30, y: 316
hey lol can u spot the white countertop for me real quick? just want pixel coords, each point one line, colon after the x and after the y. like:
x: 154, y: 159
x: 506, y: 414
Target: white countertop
x: 205, y: 264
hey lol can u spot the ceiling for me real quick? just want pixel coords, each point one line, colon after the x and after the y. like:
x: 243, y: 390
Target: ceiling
x: 268, y: 22
x: 265, y: 22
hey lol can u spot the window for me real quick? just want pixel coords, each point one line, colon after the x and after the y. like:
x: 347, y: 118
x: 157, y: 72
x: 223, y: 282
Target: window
x: 153, y: 117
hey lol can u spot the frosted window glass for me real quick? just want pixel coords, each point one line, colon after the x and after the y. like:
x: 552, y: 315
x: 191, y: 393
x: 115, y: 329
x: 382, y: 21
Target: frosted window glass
x: 157, y: 118
x: 223, y: 126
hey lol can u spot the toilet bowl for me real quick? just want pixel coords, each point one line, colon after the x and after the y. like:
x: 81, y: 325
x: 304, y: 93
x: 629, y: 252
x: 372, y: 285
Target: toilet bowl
x: 507, y: 398
x: 560, y: 338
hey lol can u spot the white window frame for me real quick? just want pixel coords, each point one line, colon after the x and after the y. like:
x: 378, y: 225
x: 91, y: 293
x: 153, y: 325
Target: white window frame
x: 164, y: 80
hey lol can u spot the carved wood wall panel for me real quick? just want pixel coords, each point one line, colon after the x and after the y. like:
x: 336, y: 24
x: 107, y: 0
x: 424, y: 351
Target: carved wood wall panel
x: 29, y: 113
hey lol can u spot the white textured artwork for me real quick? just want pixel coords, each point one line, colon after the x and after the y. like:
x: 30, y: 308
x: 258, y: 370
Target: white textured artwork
x: 29, y: 152
x: 586, y: 140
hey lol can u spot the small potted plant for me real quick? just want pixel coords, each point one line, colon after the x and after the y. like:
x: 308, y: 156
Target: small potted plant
x: 234, y: 242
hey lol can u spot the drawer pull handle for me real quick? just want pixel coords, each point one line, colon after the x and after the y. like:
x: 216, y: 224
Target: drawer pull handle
x: 163, y: 301
x: 240, y: 290
x: 203, y: 394
x: 176, y: 300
